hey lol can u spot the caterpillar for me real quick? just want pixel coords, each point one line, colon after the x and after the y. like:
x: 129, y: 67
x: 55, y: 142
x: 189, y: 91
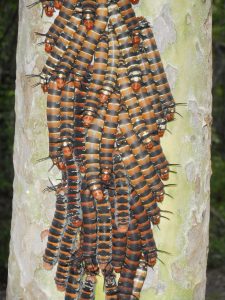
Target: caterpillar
x: 74, y: 277
x: 110, y: 79
x: 153, y: 95
x: 53, y: 122
x: 122, y: 191
x: 73, y: 220
x: 56, y: 229
x: 89, y: 244
x: 79, y: 130
x: 119, y: 239
x: 127, y: 13
x: 67, y: 113
x: 139, y: 279
x: 99, y: 66
x: 104, y: 249
x: 109, y: 137
x: 156, y: 67
x: 86, y: 53
x: 69, y: 56
x: 148, y: 244
x: 92, y: 159
x: 131, y: 262
x: 125, y: 42
x: 87, y: 292
x: 65, y: 256
x: 130, y: 100
x: 110, y: 287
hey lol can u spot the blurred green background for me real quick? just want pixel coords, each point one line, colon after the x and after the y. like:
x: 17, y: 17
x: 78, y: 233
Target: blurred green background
x: 8, y: 38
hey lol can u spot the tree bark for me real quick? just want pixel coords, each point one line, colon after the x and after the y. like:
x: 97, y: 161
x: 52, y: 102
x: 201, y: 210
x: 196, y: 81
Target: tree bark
x: 183, y: 33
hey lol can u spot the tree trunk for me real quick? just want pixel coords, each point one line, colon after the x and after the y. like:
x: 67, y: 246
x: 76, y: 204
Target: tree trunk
x: 183, y: 33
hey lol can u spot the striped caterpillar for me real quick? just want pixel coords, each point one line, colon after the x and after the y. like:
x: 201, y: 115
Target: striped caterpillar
x: 108, y: 104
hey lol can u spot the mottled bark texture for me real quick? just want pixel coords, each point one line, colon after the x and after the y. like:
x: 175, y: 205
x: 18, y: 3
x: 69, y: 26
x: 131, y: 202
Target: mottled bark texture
x: 183, y: 32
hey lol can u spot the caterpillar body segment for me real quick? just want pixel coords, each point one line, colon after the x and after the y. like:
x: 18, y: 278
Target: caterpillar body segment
x: 131, y: 262
x: 89, y: 244
x: 144, y: 227
x: 110, y: 79
x: 74, y: 282
x: 73, y: 187
x: 109, y: 137
x: 67, y: 247
x: 88, y: 288
x: 148, y: 115
x: 79, y: 130
x: 98, y: 74
x: 119, y: 239
x: 104, y: 247
x: 122, y: 190
x: 110, y: 287
x: 159, y: 161
x: 128, y: 14
x: 92, y: 158
x: 67, y: 113
x: 53, y: 120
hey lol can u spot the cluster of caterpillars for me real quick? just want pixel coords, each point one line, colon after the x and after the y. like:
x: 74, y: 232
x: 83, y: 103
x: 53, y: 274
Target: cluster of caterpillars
x: 108, y: 103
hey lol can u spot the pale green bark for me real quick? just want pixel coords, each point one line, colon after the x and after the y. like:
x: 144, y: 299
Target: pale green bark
x: 183, y: 32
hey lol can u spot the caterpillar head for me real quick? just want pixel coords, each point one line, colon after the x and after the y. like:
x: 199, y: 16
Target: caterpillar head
x: 104, y: 96
x: 57, y: 4
x: 44, y: 84
x: 134, y: 2
x: 98, y: 194
x: 49, y: 10
x: 48, y: 46
x: 88, y: 119
x: 89, y: 8
x: 60, y: 80
x: 151, y: 258
x: 106, y: 175
x: 155, y: 219
x: 159, y: 196
x: 136, y: 39
x: 164, y: 174
x: 135, y: 77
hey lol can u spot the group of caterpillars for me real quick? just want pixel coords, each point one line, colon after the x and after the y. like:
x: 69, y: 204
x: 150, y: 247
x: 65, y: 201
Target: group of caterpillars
x: 108, y: 103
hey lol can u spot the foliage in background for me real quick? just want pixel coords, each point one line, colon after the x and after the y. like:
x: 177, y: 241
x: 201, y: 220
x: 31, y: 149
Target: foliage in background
x: 8, y: 37
x: 217, y: 224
